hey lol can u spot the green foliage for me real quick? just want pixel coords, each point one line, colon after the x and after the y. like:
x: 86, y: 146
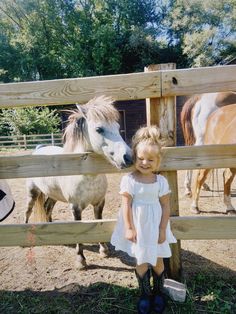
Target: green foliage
x: 206, y: 30
x: 29, y: 121
x: 53, y: 39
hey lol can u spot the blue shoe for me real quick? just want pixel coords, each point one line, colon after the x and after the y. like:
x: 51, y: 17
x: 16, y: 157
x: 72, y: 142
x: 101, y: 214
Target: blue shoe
x: 158, y: 300
x: 145, y: 300
x: 158, y: 304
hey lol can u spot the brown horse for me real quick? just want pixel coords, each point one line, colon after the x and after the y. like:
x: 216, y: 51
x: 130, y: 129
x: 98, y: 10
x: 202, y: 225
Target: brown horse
x: 194, y: 115
x: 220, y: 129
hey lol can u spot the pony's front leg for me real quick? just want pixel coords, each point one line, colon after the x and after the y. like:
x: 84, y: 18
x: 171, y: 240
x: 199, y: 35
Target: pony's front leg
x: 228, y: 176
x: 80, y: 260
x: 200, y: 179
x: 103, y: 250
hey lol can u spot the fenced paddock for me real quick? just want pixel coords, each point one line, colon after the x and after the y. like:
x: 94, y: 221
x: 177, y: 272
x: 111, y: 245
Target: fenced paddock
x: 29, y: 141
x: 159, y: 85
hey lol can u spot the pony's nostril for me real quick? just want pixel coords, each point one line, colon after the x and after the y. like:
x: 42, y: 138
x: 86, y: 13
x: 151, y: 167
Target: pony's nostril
x: 128, y: 159
x: 112, y: 153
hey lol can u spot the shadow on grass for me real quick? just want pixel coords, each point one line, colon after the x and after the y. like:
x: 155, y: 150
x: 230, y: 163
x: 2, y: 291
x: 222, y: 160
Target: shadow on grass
x: 211, y: 289
x: 73, y: 298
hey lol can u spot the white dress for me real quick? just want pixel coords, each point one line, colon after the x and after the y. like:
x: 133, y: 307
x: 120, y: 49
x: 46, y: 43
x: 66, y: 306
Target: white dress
x: 147, y: 213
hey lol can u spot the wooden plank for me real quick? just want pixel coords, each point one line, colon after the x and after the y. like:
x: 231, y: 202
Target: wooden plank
x: 199, y: 80
x: 199, y: 157
x: 94, y: 231
x: 204, y: 228
x: 80, y: 90
x: 27, y: 166
x: 120, y: 87
x: 174, y: 158
x: 56, y: 233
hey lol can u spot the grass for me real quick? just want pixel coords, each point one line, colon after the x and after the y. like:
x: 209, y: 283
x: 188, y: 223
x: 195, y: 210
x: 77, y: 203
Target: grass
x: 206, y: 294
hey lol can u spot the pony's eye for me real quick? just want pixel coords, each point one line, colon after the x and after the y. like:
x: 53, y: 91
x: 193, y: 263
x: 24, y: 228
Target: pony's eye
x: 99, y: 130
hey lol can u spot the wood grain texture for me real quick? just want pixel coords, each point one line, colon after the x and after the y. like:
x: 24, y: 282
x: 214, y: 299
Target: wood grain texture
x: 58, y: 233
x: 152, y: 84
x: 174, y: 158
x: 199, y: 80
x: 80, y: 90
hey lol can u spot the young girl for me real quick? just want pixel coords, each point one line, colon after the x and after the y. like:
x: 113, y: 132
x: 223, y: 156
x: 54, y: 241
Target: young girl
x: 143, y: 229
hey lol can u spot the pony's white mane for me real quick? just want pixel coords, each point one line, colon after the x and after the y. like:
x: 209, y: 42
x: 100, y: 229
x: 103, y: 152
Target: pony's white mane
x: 98, y: 109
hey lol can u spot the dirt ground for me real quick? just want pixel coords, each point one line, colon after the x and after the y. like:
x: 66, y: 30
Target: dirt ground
x: 53, y: 267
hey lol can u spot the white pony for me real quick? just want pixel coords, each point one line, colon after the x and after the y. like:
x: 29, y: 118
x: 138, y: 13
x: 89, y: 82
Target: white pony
x: 194, y: 115
x: 93, y: 127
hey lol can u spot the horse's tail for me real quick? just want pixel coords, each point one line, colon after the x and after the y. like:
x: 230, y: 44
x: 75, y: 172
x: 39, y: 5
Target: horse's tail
x: 186, y: 120
x: 39, y: 210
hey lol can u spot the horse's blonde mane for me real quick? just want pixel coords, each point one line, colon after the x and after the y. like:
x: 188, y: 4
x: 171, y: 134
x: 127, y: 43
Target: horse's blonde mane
x: 101, y: 109
x: 97, y: 109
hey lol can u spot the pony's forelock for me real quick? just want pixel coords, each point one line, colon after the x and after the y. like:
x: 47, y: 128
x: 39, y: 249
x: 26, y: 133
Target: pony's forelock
x: 101, y: 109
x: 98, y: 109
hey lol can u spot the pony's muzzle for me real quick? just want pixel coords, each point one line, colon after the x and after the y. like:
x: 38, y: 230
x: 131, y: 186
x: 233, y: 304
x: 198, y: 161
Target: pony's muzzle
x: 128, y: 161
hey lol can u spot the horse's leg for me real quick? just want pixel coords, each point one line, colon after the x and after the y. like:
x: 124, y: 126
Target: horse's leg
x: 81, y: 260
x: 103, y: 250
x: 228, y: 176
x: 49, y: 205
x: 199, y: 180
x: 187, y: 183
x: 32, y: 194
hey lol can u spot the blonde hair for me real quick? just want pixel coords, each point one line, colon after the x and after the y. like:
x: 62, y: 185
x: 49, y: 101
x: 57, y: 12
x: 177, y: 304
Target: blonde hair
x: 149, y: 135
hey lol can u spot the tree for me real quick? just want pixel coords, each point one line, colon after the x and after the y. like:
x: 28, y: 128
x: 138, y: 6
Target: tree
x: 206, y: 30
x: 52, y: 39
x: 29, y: 121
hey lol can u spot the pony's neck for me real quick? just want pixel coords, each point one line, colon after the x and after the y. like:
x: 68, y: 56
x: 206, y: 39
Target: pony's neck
x: 72, y: 147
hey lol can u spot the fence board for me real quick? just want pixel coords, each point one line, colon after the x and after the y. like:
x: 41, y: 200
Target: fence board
x: 80, y: 90
x: 58, y: 233
x: 121, y: 87
x: 174, y: 158
x: 199, y: 80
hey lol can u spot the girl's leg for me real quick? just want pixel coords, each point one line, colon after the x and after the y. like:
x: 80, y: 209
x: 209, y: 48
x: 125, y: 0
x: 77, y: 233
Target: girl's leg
x: 159, y: 268
x: 143, y: 276
x: 141, y: 269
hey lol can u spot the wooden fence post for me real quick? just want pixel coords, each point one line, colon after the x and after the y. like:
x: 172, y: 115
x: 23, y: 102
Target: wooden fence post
x: 25, y: 142
x: 162, y: 112
x: 52, y: 139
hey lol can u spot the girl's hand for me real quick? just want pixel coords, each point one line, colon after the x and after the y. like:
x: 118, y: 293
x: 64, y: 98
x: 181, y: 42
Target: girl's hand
x: 162, y: 236
x: 131, y: 235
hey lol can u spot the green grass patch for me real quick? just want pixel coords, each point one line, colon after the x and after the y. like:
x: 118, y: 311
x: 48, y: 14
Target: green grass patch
x: 206, y: 294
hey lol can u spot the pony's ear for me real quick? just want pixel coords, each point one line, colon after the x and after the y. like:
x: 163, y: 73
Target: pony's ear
x: 81, y: 110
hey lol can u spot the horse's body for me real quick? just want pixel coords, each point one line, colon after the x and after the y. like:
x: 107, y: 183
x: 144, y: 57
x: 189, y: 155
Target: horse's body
x: 93, y: 127
x: 220, y: 129
x: 194, y: 115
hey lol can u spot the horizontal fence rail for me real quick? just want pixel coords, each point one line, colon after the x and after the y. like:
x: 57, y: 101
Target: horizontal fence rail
x: 199, y: 80
x: 174, y: 158
x: 143, y: 85
x: 80, y: 90
x: 59, y: 233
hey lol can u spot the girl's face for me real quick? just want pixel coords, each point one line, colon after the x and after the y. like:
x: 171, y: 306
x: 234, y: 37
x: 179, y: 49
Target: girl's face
x: 147, y: 158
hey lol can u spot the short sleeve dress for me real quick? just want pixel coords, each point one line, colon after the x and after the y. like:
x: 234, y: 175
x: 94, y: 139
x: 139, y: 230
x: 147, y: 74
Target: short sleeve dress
x: 147, y: 213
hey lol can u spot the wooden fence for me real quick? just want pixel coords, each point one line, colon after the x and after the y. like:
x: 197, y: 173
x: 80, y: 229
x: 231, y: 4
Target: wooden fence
x: 159, y: 84
x: 30, y: 141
